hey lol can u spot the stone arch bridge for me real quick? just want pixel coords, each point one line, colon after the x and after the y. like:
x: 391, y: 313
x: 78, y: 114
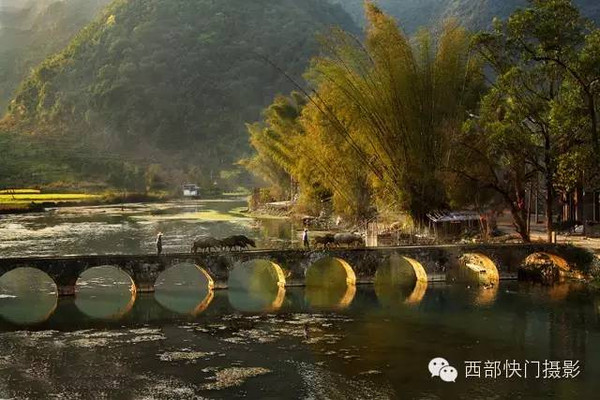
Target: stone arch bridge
x: 439, y: 263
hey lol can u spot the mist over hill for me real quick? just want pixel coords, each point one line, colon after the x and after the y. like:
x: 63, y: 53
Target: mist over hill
x: 474, y: 14
x: 31, y: 30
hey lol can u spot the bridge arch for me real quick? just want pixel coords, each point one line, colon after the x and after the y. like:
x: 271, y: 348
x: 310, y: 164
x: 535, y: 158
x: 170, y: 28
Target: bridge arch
x: 400, y: 271
x: 544, y: 267
x: 28, y: 296
x: 400, y: 280
x: 475, y: 269
x: 184, y: 288
x: 330, y: 272
x: 105, y: 292
x: 330, y: 284
x: 256, y: 286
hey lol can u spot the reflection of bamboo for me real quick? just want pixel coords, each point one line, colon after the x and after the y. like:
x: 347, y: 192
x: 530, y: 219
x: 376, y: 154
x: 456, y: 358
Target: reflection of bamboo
x: 204, y: 303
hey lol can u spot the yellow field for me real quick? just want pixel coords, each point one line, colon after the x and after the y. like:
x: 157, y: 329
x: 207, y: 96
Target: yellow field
x: 26, y: 198
x: 20, y: 191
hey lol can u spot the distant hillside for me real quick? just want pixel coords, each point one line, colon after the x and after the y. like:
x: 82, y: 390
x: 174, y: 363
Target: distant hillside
x: 30, y: 30
x: 475, y: 14
x: 172, y: 81
x: 166, y: 82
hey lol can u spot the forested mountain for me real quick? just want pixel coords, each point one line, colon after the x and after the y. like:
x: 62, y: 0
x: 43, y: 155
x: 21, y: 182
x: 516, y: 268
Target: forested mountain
x: 166, y: 82
x: 474, y: 14
x: 30, y: 30
x: 172, y: 81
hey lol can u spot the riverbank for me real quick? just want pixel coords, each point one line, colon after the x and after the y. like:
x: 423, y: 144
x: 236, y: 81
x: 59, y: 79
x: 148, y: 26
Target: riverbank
x: 30, y: 203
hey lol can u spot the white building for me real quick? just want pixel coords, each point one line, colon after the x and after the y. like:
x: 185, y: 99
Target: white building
x: 190, y: 190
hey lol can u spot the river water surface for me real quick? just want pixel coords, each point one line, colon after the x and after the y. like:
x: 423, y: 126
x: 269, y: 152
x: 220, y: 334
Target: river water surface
x: 132, y: 228
x: 186, y: 342
x: 371, y: 347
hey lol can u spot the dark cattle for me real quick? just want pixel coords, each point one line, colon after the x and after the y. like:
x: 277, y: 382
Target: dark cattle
x: 206, y: 244
x: 348, y: 239
x: 324, y: 241
x: 237, y: 241
x: 245, y: 241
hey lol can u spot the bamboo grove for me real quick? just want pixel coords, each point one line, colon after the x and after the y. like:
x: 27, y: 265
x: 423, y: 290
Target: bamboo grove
x: 440, y: 120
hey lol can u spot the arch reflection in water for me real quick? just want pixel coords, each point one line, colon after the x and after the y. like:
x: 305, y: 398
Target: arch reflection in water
x: 485, y: 295
x: 330, y: 284
x: 185, y: 289
x: 256, y: 286
x: 104, y: 292
x: 27, y: 296
x: 255, y: 301
x: 400, y: 280
x: 329, y: 298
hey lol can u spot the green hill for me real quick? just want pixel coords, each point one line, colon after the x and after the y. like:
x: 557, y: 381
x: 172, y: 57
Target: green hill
x: 170, y: 81
x: 30, y: 30
x: 163, y: 88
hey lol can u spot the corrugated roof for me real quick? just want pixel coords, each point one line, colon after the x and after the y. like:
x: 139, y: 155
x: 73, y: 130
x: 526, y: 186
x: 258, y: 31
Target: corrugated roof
x: 453, y: 216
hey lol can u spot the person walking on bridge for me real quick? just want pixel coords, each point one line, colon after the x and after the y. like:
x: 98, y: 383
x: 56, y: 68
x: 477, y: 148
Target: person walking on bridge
x: 305, y: 239
x: 159, y: 243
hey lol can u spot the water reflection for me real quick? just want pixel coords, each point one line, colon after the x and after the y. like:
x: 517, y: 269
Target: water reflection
x: 27, y: 296
x: 392, y: 296
x: 366, y: 351
x: 184, y: 289
x: 104, y: 292
x: 485, y: 296
x: 256, y: 301
x: 131, y: 228
x: 329, y: 298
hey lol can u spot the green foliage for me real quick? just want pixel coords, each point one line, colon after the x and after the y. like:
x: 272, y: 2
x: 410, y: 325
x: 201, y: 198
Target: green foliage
x: 539, y: 117
x: 171, y: 82
x: 377, y: 127
x: 30, y: 30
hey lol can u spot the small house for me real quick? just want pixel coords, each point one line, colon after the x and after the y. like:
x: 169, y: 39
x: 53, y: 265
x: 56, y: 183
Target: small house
x: 190, y: 190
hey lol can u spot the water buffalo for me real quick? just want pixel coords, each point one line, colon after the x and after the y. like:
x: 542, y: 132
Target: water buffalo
x: 325, y: 240
x: 349, y: 239
x: 235, y: 241
x: 205, y: 244
x: 245, y: 241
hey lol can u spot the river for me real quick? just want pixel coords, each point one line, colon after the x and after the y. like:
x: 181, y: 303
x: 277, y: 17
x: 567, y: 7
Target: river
x: 132, y: 228
x: 369, y: 348
x: 188, y: 342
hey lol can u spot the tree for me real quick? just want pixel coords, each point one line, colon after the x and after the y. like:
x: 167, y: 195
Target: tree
x: 395, y: 105
x: 375, y: 128
x: 532, y: 115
